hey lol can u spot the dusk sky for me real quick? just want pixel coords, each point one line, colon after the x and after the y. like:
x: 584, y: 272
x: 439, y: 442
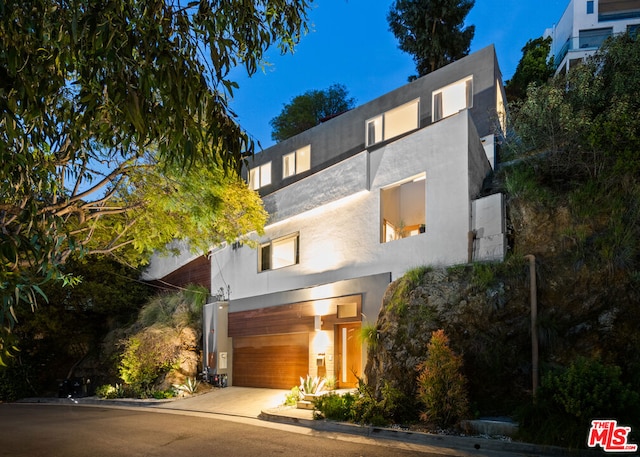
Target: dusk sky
x: 349, y: 43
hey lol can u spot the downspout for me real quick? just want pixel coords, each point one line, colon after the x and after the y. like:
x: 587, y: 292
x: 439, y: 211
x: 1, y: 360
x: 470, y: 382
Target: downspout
x: 471, y: 236
x: 534, y: 321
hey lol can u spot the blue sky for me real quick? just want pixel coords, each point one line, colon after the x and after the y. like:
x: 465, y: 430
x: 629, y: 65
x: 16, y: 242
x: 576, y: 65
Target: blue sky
x: 349, y: 43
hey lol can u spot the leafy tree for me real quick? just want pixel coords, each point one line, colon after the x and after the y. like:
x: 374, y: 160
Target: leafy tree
x: 432, y: 31
x: 535, y: 66
x: 94, y: 98
x: 70, y: 327
x: 586, y: 123
x: 442, y: 388
x: 310, y: 109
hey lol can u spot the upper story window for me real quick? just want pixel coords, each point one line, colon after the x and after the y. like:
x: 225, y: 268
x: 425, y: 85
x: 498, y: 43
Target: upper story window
x: 393, y: 123
x: 260, y: 176
x: 402, y: 209
x: 453, y: 98
x: 279, y: 253
x: 593, y: 38
x: 296, y: 162
x: 589, y: 6
x: 614, y: 10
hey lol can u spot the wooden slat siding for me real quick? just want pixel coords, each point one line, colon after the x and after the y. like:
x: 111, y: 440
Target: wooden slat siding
x: 292, y: 318
x: 198, y: 271
x: 275, y: 361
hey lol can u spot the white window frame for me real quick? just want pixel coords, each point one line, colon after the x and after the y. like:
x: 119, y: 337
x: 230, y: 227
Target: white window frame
x: 382, y: 127
x: 391, y: 218
x: 260, y: 176
x: 439, y: 108
x: 277, y: 261
x: 296, y: 162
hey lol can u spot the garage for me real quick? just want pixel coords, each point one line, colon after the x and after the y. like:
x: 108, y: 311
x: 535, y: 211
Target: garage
x: 271, y: 361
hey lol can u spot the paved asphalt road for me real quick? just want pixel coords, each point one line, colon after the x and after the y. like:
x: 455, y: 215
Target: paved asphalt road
x: 69, y: 431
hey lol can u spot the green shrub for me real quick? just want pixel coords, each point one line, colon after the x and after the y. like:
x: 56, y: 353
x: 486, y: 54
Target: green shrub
x: 391, y: 407
x: 441, y: 385
x: 109, y: 392
x: 162, y: 394
x: 369, y: 335
x: 14, y: 382
x: 334, y: 407
x: 147, y: 355
x: 291, y: 399
x: 567, y: 401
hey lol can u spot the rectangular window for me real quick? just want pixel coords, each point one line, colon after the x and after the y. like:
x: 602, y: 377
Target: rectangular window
x: 589, y: 6
x: 296, y: 162
x: 453, y: 98
x: 615, y: 10
x: 593, y: 39
x: 402, y: 209
x: 279, y: 253
x: 260, y: 176
x: 393, y: 123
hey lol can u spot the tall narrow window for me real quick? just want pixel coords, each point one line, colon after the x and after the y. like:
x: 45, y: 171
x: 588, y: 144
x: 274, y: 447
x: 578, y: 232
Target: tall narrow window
x: 402, y: 209
x: 451, y: 99
x: 279, y: 253
x: 296, y: 162
x: 374, y: 130
x: 589, y: 6
x: 260, y: 176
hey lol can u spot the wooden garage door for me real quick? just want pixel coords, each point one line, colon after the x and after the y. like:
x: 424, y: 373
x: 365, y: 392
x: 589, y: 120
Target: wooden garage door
x: 272, y: 361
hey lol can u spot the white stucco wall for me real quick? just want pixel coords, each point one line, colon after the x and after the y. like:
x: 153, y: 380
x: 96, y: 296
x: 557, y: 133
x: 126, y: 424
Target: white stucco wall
x: 162, y: 264
x: 573, y: 20
x: 341, y: 239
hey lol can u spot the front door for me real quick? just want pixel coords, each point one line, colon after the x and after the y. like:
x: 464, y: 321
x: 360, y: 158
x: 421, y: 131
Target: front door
x: 349, y: 350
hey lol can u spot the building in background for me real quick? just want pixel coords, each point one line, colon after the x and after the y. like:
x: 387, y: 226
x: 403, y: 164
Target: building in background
x: 584, y: 26
x: 354, y: 203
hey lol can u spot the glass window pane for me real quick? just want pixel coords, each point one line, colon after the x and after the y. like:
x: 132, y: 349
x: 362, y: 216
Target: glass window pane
x: 303, y: 159
x: 283, y: 253
x: 265, y: 257
x: 401, y: 120
x: 593, y: 38
x: 254, y: 178
x: 265, y: 174
x: 437, y: 106
x: 289, y: 165
x: 453, y: 98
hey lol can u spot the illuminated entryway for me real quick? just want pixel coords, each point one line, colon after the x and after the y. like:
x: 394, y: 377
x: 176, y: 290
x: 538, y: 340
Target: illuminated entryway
x: 348, y: 355
x: 275, y: 346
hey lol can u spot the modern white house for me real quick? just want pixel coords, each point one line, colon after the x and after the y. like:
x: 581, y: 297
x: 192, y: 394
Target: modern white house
x: 584, y: 26
x: 354, y: 203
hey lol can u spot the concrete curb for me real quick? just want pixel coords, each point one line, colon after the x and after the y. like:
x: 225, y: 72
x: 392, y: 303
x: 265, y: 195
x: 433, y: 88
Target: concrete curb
x: 468, y: 444
x: 98, y: 401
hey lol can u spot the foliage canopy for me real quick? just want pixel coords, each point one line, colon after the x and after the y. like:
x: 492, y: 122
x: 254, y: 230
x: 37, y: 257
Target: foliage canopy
x: 432, y: 31
x: 101, y: 102
x: 310, y: 109
x: 585, y: 124
x: 535, y: 66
